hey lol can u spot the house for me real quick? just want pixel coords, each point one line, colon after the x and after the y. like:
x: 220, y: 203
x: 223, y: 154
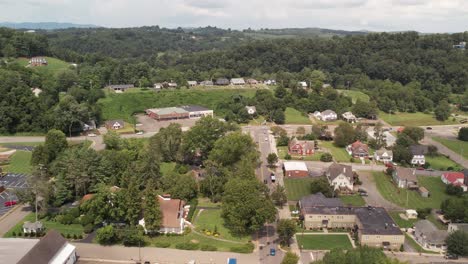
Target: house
x: 327, y: 115
x: 115, y: 124
x: 349, y: 117
x: 303, y: 85
x: 300, y: 147
x: 252, y: 81
x: 158, y: 86
x: 192, y: 83
x: 6, y: 155
x: 38, y: 61
x: 170, y: 85
x: 461, y: 45
x: 207, y: 83
x: 251, y: 110
x: 269, y: 82
x: 383, y: 155
x: 222, y: 81
x: 423, y: 192
x: 358, y: 150
x: 295, y: 169
x: 36, y: 91
x: 173, y: 215
x: 405, y: 178
x: 196, y: 111
x: 429, y: 236
x: 452, y: 227
x: 340, y: 177
x: 237, y: 81
x: 35, y: 227
x: 120, y: 87
x: 454, y: 178
x: 411, y: 214
x: 373, y: 225
x: 418, y: 152
x: 52, y: 249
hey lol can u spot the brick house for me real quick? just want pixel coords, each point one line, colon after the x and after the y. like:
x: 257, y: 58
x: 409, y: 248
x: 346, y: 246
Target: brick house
x: 358, y: 150
x: 300, y: 147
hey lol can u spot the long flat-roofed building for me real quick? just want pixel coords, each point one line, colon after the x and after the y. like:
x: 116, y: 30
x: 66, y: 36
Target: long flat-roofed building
x: 182, y: 112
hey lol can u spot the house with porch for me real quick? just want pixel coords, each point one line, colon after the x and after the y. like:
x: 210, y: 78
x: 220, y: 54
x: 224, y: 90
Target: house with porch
x: 383, y: 155
x: 429, y: 236
x: 358, y: 150
x: 300, y: 147
x: 418, y: 152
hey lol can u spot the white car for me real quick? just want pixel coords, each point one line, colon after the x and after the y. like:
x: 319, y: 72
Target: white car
x: 139, y: 133
x: 266, y: 139
x: 91, y: 135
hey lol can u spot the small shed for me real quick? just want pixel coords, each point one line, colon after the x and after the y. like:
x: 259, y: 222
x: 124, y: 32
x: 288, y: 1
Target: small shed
x: 35, y: 227
x: 424, y: 192
x: 411, y: 214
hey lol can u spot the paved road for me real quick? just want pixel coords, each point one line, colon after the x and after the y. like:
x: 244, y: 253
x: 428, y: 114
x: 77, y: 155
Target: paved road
x: 10, y: 219
x: 374, y: 197
x: 446, y: 151
x: 158, y: 255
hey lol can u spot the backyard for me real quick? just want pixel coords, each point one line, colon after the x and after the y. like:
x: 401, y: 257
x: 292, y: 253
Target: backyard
x: 324, y: 242
x: 297, y: 188
x: 73, y: 229
x: 413, y: 119
x: 441, y: 162
x: 339, y: 154
x: 353, y: 200
x: 209, y: 220
x: 458, y: 146
x: 292, y: 116
x: 411, y: 199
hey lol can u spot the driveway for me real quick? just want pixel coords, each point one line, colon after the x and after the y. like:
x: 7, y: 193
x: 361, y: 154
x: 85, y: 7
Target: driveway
x: 374, y: 197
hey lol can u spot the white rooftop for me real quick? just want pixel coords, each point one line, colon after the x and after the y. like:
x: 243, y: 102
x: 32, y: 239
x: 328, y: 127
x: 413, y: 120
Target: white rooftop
x: 295, y: 166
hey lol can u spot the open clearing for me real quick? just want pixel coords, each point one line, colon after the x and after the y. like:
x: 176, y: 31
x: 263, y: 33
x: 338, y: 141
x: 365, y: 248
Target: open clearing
x: 355, y: 95
x: 458, y: 146
x: 211, y: 219
x: 413, y: 119
x: 293, y: 116
x: 324, y: 242
x: 297, y: 188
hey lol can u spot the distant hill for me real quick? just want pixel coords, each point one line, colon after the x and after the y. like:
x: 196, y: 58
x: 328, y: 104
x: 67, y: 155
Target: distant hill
x: 300, y: 32
x: 44, y: 25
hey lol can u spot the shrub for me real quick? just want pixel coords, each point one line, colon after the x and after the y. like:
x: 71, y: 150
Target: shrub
x: 88, y: 228
x: 208, y: 248
x: 287, y: 157
x: 193, y: 207
x: 68, y: 236
x: 106, y: 235
x: 188, y: 246
x: 87, y: 219
x: 326, y: 157
x: 352, y: 159
x: 247, y: 248
x: 80, y: 236
x: 133, y: 238
x: 13, y: 233
x: 26, y: 234
x: 423, y: 213
x: 75, y: 236
x: 161, y: 244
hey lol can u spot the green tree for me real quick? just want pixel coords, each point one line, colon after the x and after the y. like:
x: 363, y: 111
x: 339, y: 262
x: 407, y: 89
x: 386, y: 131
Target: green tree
x: 344, y: 135
x: 230, y: 149
x: 55, y: 143
x: 415, y: 133
x: 457, y: 243
x: 326, y: 157
x: 180, y: 186
x: 212, y: 185
x: 152, y: 212
x: 290, y: 258
x: 133, y: 237
x: 246, y: 206
x: 168, y: 141
x: 132, y: 204
x: 272, y: 159
x: 442, y: 111
x: 321, y: 185
x: 279, y: 195
x: 463, y: 134
x: 107, y: 235
x: 112, y: 140
x: 286, y: 229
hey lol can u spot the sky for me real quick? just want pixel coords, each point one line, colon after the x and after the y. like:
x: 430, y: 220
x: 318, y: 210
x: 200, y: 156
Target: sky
x: 375, y: 15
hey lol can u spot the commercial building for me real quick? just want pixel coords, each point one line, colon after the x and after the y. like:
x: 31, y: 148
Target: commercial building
x: 182, y: 112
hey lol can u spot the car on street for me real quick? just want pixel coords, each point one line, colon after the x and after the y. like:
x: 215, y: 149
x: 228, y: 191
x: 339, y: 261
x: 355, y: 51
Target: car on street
x: 429, y: 128
x: 272, y: 252
x: 139, y: 133
x: 451, y: 256
x: 272, y: 177
x: 10, y: 203
x: 91, y: 135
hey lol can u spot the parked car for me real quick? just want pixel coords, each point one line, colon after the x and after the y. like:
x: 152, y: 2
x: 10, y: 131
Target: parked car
x: 10, y: 203
x: 273, y: 177
x: 451, y: 256
x: 91, y: 135
x: 363, y: 194
x: 272, y: 252
x: 429, y: 128
x: 139, y: 133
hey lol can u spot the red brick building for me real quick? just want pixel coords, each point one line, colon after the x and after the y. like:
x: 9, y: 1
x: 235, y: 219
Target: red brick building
x: 301, y: 147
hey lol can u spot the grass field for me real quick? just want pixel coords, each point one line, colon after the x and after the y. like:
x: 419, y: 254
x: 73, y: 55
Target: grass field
x: 73, y: 229
x: 283, y: 151
x: 205, y: 202
x: 324, y: 242
x: 402, y: 222
x: 32, y: 144
x: 167, y: 167
x: 123, y: 106
x: 297, y: 188
x: 54, y: 65
x: 442, y: 163
x: 339, y: 154
x: 209, y: 219
x: 400, y: 196
x: 353, y: 200
x: 355, y: 95
x: 20, y: 162
x: 458, y: 146
x: 295, y: 117
x: 413, y: 119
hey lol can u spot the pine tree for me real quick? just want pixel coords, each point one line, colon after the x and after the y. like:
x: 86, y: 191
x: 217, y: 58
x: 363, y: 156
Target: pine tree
x: 152, y: 212
x: 132, y: 202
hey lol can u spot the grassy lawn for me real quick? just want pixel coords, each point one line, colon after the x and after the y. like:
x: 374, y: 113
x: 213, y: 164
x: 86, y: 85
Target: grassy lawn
x: 324, y: 242
x: 436, y: 222
x: 167, y: 167
x: 297, y: 188
x: 442, y: 163
x: 402, y: 222
x: 127, y: 129
x: 20, y: 162
x: 257, y: 121
x: 400, y: 196
x: 355, y: 95
x: 283, y: 151
x: 73, y: 229
x: 353, y: 200
x: 205, y: 202
x: 413, y: 119
x: 455, y: 145
x: 209, y: 219
x: 339, y: 154
x: 54, y: 65
x: 295, y: 117
x: 124, y: 105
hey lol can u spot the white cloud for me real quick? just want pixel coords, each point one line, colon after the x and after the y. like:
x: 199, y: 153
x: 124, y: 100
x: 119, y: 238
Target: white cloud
x: 378, y: 15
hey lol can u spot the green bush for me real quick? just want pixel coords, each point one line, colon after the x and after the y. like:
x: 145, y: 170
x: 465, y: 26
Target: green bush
x: 188, y: 246
x: 193, y: 207
x: 326, y: 157
x: 208, y: 248
x: 247, y: 248
x: 88, y: 228
x: 86, y: 219
x: 13, y: 233
x: 75, y: 236
x: 161, y: 244
x: 287, y: 157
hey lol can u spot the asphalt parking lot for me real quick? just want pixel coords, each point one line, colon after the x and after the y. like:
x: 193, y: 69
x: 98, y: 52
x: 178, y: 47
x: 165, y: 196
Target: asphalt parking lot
x: 11, y: 181
x: 148, y: 124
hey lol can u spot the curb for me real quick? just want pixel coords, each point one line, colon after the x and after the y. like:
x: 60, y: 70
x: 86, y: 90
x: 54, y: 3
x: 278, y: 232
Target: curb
x: 10, y: 211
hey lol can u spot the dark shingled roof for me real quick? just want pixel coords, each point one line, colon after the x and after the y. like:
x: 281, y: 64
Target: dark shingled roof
x: 318, y: 199
x: 376, y: 221
x: 418, y: 149
x: 45, y: 249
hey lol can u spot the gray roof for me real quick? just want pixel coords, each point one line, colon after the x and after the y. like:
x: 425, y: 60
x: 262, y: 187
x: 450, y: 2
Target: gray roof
x: 45, y: 249
x: 121, y: 86
x: 206, y: 83
x: 237, y: 81
x: 194, y: 108
x: 460, y: 226
x: 170, y: 110
x: 192, y: 82
x: 328, y: 112
x: 336, y: 169
x: 375, y: 221
x: 381, y: 151
x: 222, y: 81
x: 318, y: 199
x: 34, y: 226
x: 112, y: 122
x: 418, y: 149
x: 13, y: 249
x: 406, y: 174
x: 433, y: 235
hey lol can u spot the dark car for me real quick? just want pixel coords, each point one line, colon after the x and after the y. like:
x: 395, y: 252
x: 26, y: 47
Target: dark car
x: 451, y: 256
x: 429, y: 128
x: 273, y: 177
x: 272, y: 252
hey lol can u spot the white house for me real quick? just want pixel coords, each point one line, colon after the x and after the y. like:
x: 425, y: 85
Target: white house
x: 411, y: 214
x: 251, y: 110
x: 270, y: 82
x: 383, y: 155
x: 303, y: 85
x: 36, y: 91
x: 349, y: 117
x: 115, y: 124
x: 340, y: 177
x: 196, y: 111
x: 418, y: 152
x: 327, y: 115
x: 237, y: 81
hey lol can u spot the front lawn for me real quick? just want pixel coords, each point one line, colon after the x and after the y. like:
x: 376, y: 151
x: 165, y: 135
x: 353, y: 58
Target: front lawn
x: 402, y: 223
x: 413, y: 119
x: 127, y: 129
x: 339, y: 154
x: 20, y: 162
x: 209, y: 220
x: 295, y: 117
x: 458, y: 146
x: 353, y: 200
x: 412, y: 199
x: 297, y: 188
x: 324, y: 242
x: 73, y: 229
x: 441, y: 162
